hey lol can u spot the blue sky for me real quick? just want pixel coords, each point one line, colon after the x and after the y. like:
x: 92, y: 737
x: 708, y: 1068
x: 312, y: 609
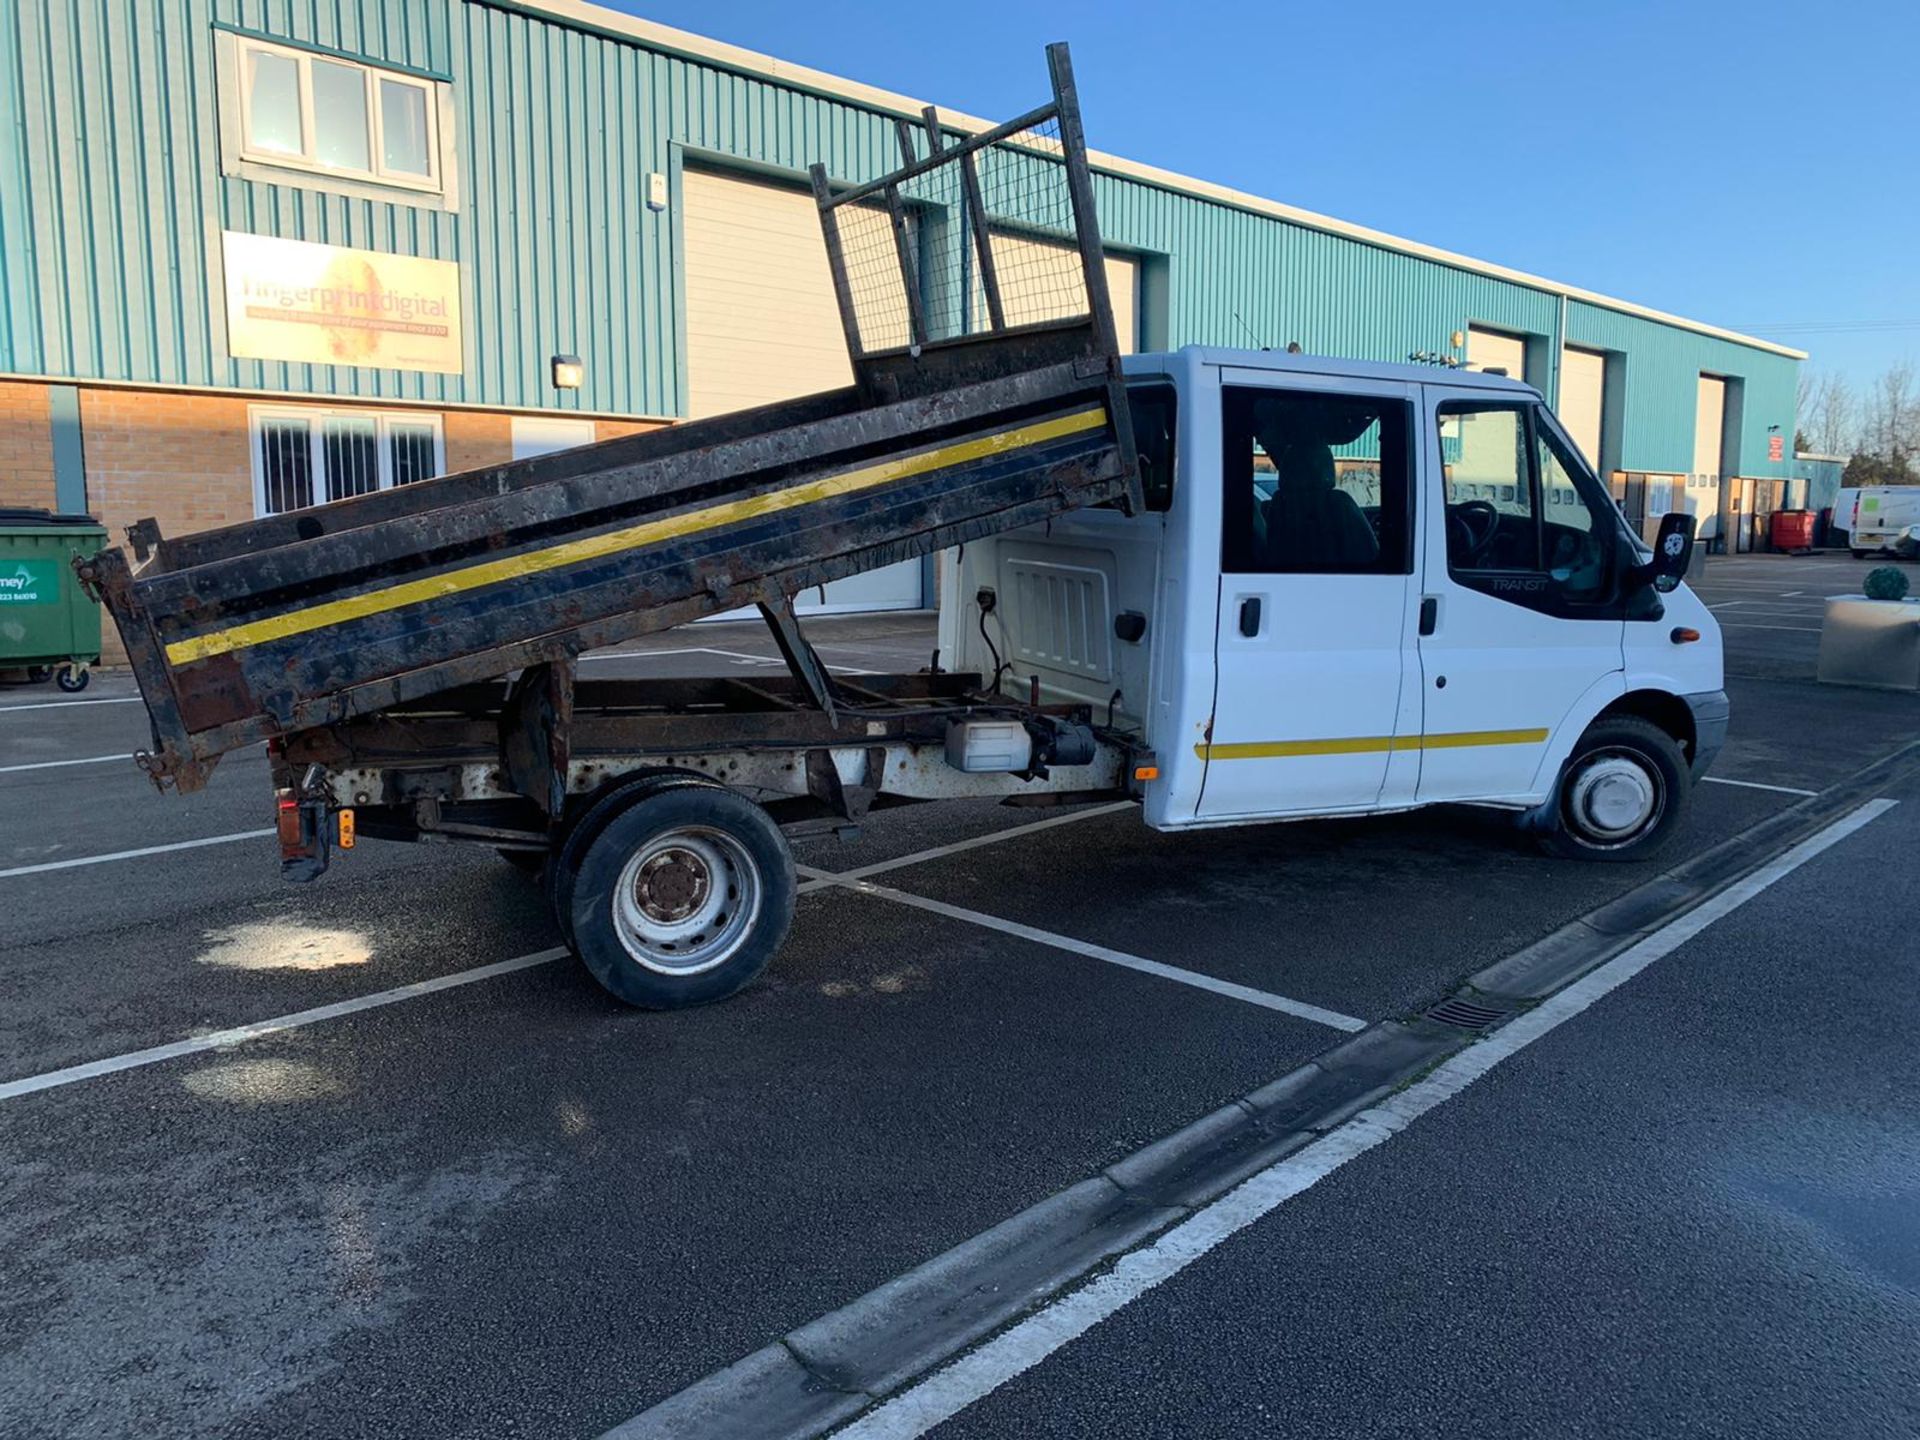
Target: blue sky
x: 1750, y: 164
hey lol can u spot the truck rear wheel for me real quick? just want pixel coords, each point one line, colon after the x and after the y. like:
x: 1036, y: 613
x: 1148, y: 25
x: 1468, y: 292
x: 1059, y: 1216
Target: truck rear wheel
x: 679, y: 896
x: 1623, y: 794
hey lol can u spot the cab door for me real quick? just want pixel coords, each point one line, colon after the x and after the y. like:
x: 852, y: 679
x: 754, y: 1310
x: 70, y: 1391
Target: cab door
x: 1521, y: 612
x: 1312, y: 634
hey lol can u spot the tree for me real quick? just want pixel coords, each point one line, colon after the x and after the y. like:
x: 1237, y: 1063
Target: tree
x: 1827, y: 415
x: 1888, y: 432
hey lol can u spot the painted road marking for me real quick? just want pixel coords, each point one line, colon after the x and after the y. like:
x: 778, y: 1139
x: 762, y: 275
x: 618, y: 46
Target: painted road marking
x: 63, y: 704
x: 56, y: 764
x: 1797, y: 629
x: 1299, y: 1009
x: 880, y: 867
x: 75, y: 864
x: 240, y: 1034
x: 1756, y: 785
x: 766, y: 660
x: 947, y: 1392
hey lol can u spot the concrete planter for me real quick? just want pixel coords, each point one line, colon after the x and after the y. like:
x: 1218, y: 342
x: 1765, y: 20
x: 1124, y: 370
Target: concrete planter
x: 1871, y: 642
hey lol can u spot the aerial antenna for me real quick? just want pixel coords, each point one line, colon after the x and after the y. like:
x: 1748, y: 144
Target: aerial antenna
x: 1249, y: 329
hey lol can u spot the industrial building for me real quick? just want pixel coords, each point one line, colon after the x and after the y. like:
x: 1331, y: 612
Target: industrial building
x: 256, y: 256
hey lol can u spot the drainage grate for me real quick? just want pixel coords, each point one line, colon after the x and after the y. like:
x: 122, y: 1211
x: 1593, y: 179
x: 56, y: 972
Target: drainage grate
x: 1465, y: 1014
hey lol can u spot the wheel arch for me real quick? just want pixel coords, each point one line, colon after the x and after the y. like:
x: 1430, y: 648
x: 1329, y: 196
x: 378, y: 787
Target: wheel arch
x: 1658, y: 707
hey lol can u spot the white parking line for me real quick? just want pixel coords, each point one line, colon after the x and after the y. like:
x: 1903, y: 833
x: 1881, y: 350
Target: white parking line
x: 947, y: 1392
x: 63, y: 704
x: 1756, y: 785
x: 240, y: 1034
x: 768, y: 661
x: 1299, y: 1009
x: 880, y: 867
x: 75, y: 864
x: 57, y: 764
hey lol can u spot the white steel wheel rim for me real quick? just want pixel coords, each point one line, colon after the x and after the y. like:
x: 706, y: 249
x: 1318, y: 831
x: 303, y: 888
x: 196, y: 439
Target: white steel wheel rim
x: 1614, y: 797
x: 686, y: 901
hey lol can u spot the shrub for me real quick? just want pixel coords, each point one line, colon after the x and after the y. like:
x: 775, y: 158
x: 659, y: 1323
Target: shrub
x: 1886, y: 583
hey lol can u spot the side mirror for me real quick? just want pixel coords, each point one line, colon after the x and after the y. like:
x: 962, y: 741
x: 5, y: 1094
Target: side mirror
x: 1672, y: 551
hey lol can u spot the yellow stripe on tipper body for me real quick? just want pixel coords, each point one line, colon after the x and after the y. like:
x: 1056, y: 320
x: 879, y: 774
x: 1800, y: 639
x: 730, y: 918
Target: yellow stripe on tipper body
x: 1366, y: 744
x: 632, y: 537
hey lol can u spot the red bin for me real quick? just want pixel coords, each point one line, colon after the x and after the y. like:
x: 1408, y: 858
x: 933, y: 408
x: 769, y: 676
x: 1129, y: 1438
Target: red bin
x: 1793, y: 530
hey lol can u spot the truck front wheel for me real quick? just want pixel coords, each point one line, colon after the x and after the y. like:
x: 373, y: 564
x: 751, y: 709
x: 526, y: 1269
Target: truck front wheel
x: 1623, y: 794
x: 681, y: 897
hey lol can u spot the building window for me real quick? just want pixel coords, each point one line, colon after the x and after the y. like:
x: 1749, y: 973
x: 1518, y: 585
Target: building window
x: 306, y: 456
x: 305, y: 111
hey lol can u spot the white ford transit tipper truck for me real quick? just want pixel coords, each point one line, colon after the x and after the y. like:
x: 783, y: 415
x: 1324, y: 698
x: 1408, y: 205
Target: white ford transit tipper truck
x: 1235, y: 587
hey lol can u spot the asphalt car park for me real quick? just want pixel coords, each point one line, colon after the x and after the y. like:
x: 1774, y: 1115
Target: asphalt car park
x: 451, y: 1188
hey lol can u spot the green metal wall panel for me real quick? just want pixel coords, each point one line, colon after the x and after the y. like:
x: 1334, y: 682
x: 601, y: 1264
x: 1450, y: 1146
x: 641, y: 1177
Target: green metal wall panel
x: 111, y: 210
x: 1663, y: 364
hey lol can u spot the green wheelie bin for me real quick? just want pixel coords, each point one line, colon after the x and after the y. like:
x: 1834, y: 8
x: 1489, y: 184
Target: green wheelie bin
x: 47, y: 623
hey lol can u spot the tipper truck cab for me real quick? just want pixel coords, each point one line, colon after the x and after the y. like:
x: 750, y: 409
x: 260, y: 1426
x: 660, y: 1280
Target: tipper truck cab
x: 1357, y: 588
x: 1236, y: 587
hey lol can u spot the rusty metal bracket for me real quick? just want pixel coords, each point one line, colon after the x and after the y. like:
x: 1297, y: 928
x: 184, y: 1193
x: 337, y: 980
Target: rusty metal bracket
x: 850, y: 802
x: 536, y: 734
x: 798, y: 652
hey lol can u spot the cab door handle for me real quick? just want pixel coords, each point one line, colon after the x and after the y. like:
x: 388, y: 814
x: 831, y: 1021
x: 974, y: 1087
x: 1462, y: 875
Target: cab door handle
x: 1429, y: 614
x: 1250, y: 616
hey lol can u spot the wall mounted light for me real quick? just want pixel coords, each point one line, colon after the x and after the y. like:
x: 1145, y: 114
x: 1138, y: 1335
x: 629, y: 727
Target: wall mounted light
x: 568, y: 372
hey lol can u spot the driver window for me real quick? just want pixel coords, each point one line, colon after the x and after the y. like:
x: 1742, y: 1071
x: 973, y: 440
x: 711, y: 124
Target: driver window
x: 1575, y: 529
x: 1490, y: 510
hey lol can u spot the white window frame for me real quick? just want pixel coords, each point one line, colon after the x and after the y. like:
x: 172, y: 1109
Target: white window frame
x: 242, y: 157
x: 316, y: 416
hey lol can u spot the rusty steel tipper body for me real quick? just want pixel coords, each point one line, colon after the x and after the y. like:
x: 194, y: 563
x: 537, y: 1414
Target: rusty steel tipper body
x: 979, y: 405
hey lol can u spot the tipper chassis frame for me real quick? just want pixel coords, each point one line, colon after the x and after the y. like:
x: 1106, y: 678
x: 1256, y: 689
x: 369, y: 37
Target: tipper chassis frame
x: 410, y: 655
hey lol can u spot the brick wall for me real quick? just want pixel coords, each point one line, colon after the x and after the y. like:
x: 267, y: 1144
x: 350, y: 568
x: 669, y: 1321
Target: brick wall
x: 26, y: 445
x: 475, y: 438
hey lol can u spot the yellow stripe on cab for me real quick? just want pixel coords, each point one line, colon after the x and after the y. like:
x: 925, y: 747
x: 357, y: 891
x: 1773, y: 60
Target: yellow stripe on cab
x: 1366, y: 744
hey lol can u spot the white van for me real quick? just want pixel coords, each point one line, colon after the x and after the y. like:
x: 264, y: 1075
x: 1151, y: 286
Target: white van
x: 1886, y: 521
x: 1362, y: 588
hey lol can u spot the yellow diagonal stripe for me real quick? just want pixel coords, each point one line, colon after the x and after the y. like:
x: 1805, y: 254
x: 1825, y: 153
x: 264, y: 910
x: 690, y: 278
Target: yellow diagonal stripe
x: 1366, y: 744
x: 633, y: 537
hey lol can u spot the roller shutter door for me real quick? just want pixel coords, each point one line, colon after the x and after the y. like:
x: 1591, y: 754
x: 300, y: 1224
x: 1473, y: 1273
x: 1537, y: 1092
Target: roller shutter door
x: 1583, y: 394
x: 1496, y: 350
x: 1709, y: 423
x: 763, y: 325
x: 1040, y: 280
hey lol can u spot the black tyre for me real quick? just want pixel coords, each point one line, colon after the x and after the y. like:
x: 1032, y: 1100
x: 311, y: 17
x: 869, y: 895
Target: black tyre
x: 1858, y: 554
x: 680, y: 895
x: 1623, y: 794
x: 39, y: 674
x: 527, y: 862
x: 73, y: 678
x: 581, y: 828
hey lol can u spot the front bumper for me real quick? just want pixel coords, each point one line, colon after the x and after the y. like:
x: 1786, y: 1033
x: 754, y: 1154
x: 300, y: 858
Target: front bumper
x: 1711, y: 709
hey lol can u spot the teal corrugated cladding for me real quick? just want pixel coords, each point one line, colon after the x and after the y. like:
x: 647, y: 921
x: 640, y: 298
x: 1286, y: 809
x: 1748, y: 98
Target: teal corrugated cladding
x: 1663, y: 368
x: 1822, y: 474
x: 1241, y: 279
x: 110, y: 215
